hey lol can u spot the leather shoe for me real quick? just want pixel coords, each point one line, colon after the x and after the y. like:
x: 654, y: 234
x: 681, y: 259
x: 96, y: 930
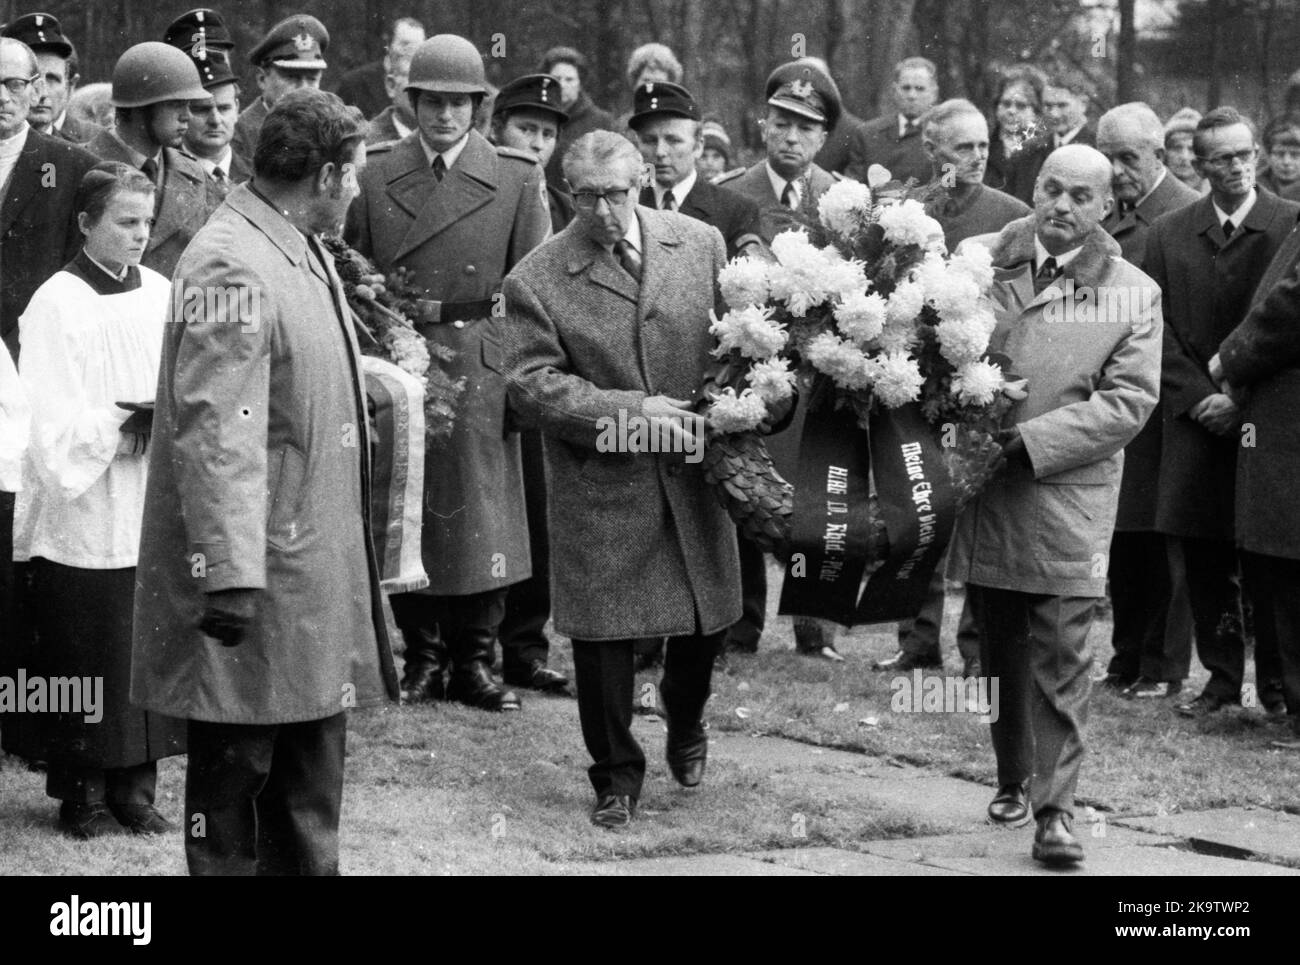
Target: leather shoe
x: 1203, y: 706
x: 141, y: 818
x: 905, y: 662
x: 1147, y: 689
x: 1055, y: 843
x: 825, y: 652
x: 613, y: 812
x: 687, y: 757
x: 1115, y: 683
x: 539, y: 677
x: 423, y: 681
x: 473, y: 686
x: 1010, y: 806
x: 87, y: 820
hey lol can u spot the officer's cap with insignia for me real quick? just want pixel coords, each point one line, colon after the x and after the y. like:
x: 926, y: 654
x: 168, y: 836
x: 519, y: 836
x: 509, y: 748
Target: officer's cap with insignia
x: 202, y: 36
x: 295, y: 43
x: 536, y: 91
x: 41, y: 32
x: 802, y: 88
x: 656, y: 97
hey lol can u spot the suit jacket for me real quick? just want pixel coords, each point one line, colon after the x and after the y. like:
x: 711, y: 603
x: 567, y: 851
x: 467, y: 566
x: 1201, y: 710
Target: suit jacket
x: 877, y: 142
x: 1015, y: 175
x: 76, y: 131
x: 458, y: 238
x: 382, y: 127
x: 1140, y: 492
x: 248, y: 127
x: 641, y: 546
x: 1207, y: 282
x: 1087, y: 135
x: 984, y: 211
x: 732, y: 214
x: 259, y: 477
x: 184, y: 202
x: 837, y: 152
x: 774, y: 217
x: 1262, y: 359
x: 363, y: 87
x: 1094, y: 376
x: 38, y: 223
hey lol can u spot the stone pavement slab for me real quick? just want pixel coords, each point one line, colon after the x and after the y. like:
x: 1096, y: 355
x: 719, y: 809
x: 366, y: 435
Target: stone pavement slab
x: 1006, y: 851
x: 1231, y: 832
x: 701, y: 865
x: 837, y: 861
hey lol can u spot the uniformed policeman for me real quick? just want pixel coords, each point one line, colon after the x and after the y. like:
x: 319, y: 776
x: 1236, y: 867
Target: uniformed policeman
x: 202, y: 35
x: 291, y: 55
x: 153, y: 85
x: 458, y: 214
x: 803, y: 106
x: 527, y: 116
x: 56, y: 58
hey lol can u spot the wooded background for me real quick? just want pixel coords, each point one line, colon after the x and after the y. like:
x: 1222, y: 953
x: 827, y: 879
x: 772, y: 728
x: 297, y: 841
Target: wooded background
x: 1171, y: 53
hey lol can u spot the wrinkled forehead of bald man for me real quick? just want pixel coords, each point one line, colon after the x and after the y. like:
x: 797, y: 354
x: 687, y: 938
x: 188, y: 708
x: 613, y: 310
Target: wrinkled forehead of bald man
x: 1078, y: 163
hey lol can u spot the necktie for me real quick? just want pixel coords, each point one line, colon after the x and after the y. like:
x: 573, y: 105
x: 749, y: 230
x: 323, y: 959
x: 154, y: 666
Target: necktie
x: 669, y: 203
x: 910, y: 128
x: 439, y: 167
x: 221, y: 181
x: 629, y: 258
x: 788, y: 197
x: 1046, y: 275
x: 1228, y: 228
x: 150, y: 169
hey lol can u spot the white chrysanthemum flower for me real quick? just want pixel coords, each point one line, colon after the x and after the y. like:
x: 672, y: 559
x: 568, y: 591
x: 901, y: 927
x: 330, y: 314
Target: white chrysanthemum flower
x: 898, y: 338
x: 744, y: 282
x: 908, y: 224
x: 841, y: 276
x: 975, y: 261
x: 953, y: 294
x: 841, y: 360
x: 736, y: 413
x: 897, y: 379
x: 977, y: 382
x: 861, y: 316
x: 792, y: 246
x: 751, y: 331
x: 844, y: 207
x: 984, y: 315
x: 905, y: 303
x: 962, y: 340
x: 772, y: 380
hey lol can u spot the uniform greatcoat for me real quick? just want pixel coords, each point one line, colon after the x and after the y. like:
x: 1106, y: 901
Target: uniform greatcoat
x: 259, y: 478
x: 643, y: 547
x: 459, y: 237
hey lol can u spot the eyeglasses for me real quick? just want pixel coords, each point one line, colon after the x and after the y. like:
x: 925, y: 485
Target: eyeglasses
x: 16, y: 85
x: 1225, y: 160
x: 1017, y: 105
x: 588, y: 200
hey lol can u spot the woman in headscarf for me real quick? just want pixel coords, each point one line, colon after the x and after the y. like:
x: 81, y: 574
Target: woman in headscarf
x: 91, y: 341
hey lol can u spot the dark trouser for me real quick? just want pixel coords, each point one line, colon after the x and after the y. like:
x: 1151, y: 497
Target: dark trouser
x: 1036, y: 648
x: 130, y: 786
x: 920, y: 637
x: 1214, y: 584
x: 528, y: 604
x: 460, y: 628
x: 264, y: 798
x: 605, y: 679
x: 745, y: 633
x: 1152, y: 615
x: 813, y: 633
x: 1273, y: 587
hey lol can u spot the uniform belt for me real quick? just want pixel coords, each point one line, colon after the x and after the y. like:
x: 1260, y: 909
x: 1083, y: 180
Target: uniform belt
x: 432, y: 312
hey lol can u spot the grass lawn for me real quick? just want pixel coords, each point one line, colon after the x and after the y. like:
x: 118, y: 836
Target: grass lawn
x: 444, y: 789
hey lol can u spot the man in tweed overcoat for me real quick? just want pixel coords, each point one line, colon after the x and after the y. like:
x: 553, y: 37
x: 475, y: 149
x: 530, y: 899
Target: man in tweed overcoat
x: 609, y: 321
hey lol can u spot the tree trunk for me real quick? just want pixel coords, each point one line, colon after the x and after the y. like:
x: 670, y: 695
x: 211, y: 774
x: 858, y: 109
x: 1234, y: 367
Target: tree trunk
x: 1126, y: 58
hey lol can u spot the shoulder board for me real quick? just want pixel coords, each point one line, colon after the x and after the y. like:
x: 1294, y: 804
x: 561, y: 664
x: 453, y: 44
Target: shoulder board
x: 729, y: 176
x: 516, y: 153
x: 382, y: 146
x: 835, y: 175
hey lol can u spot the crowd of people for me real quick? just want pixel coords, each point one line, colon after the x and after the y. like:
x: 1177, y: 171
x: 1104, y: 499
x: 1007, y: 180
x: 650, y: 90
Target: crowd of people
x: 185, y: 486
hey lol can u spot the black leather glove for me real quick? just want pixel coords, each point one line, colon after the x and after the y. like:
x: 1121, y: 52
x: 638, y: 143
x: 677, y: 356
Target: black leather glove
x: 1013, y: 447
x: 229, y: 614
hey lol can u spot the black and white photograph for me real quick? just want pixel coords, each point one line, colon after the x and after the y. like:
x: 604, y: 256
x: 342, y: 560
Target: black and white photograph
x: 653, y: 438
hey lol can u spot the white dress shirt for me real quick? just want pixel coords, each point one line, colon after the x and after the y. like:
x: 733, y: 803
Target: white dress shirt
x: 449, y: 156
x: 680, y: 190
x: 779, y: 183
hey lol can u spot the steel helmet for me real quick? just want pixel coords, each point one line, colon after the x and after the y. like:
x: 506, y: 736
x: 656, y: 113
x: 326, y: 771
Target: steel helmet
x: 447, y: 63
x: 152, y: 72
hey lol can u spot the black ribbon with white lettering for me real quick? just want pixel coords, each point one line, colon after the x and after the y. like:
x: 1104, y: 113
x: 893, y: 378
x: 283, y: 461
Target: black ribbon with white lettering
x: 831, y: 529
x: 831, y: 524
x: 919, y: 506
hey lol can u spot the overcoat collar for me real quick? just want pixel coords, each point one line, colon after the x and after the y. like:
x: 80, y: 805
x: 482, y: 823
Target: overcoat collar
x: 1258, y: 218
x: 435, y: 205
x: 1013, y: 261
x: 1147, y: 210
x: 659, y: 240
x: 269, y: 221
